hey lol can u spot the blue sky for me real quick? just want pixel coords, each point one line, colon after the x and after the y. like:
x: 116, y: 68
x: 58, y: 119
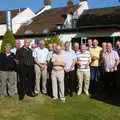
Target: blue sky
x: 35, y: 5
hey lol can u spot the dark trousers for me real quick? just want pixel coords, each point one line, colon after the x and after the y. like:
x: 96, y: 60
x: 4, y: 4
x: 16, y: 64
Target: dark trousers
x: 95, y: 82
x: 27, y: 80
x: 69, y: 82
x: 110, y: 81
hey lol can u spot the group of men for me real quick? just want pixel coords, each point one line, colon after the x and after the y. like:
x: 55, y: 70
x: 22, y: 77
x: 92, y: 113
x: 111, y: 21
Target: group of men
x: 84, y: 68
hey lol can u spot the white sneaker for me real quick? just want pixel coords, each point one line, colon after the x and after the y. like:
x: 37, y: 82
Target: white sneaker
x: 87, y: 93
x: 79, y: 92
x: 63, y: 100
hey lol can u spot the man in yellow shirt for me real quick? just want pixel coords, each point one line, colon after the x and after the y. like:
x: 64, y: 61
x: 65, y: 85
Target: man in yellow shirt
x: 95, y: 52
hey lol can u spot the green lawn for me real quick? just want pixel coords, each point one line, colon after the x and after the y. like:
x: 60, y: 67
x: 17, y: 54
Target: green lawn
x: 42, y: 108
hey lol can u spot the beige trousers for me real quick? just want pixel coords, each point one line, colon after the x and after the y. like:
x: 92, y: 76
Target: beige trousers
x: 40, y: 74
x: 83, y: 77
x: 58, y: 77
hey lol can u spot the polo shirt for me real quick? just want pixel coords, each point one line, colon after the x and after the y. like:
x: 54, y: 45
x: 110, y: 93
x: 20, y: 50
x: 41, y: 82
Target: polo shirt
x: 70, y: 57
x: 83, y: 60
x: 61, y: 58
x: 41, y: 54
x: 109, y: 60
x: 14, y: 50
x: 95, y: 51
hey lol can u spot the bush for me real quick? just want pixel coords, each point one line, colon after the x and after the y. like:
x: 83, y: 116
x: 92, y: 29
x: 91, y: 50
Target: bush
x: 8, y: 38
x: 53, y: 39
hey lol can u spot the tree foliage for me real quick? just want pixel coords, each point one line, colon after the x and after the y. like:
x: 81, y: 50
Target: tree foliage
x: 8, y: 38
x: 53, y: 39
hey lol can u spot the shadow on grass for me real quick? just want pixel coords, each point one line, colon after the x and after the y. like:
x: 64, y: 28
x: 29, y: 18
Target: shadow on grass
x: 111, y: 97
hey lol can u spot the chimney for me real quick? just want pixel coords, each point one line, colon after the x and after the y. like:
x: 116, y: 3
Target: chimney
x: 84, y: 4
x: 47, y: 2
x: 9, y: 20
x: 70, y: 3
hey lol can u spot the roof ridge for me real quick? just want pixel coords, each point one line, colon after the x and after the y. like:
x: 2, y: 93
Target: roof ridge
x: 102, y: 8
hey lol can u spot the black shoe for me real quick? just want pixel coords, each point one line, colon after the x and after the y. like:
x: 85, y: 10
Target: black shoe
x: 71, y: 94
x: 31, y: 94
x: 21, y: 98
x: 36, y: 94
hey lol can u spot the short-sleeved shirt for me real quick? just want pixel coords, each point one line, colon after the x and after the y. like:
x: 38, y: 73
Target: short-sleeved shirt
x: 40, y: 54
x: 14, y: 50
x: 61, y: 58
x: 49, y: 56
x: 95, y: 51
x: 83, y: 59
x: 109, y: 60
x: 70, y: 57
x: 76, y: 53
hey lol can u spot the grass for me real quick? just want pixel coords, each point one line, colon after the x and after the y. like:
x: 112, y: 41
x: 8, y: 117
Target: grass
x: 42, y: 108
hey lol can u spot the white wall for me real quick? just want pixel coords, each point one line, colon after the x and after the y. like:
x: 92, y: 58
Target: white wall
x: 67, y: 37
x: 3, y: 28
x: 82, y: 6
x: 21, y: 18
x: 68, y: 21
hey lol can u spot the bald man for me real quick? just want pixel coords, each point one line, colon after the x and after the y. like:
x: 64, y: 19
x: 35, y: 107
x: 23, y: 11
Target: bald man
x: 110, y: 61
x: 26, y: 66
x: 58, y: 61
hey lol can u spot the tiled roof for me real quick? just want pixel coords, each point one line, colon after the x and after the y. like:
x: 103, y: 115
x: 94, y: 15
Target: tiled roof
x: 46, y: 21
x: 13, y: 13
x: 109, y: 16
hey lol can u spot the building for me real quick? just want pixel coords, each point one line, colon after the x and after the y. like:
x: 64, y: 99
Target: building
x: 14, y: 19
x: 73, y: 23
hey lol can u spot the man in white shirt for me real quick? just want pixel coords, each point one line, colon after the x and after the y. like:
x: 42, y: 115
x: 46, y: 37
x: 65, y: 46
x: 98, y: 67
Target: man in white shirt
x: 40, y: 57
x: 17, y: 46
x: 69, y: 69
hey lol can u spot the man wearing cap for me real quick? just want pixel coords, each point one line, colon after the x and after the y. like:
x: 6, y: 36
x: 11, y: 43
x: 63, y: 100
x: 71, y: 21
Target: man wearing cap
x: 8, y: 84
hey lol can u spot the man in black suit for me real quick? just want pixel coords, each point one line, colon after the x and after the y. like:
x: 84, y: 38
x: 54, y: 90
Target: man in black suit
x: 26, y: 70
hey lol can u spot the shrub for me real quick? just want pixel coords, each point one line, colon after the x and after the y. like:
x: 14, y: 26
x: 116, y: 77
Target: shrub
x: 7, y: 38
x: 53, y: 39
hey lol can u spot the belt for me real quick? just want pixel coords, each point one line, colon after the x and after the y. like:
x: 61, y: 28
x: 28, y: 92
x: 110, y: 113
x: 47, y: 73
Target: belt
x: 57, y: 69
x: 58, y: 66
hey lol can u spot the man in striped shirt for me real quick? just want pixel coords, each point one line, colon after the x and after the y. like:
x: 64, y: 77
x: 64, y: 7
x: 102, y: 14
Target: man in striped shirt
x: 83, y: 69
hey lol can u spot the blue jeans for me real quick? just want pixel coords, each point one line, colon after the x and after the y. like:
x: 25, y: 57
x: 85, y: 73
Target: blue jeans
x: 95, y: 79
x: 95, y: 73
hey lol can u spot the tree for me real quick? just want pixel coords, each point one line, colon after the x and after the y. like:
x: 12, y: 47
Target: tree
x: 53, y: 39
x: 8, y: 38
